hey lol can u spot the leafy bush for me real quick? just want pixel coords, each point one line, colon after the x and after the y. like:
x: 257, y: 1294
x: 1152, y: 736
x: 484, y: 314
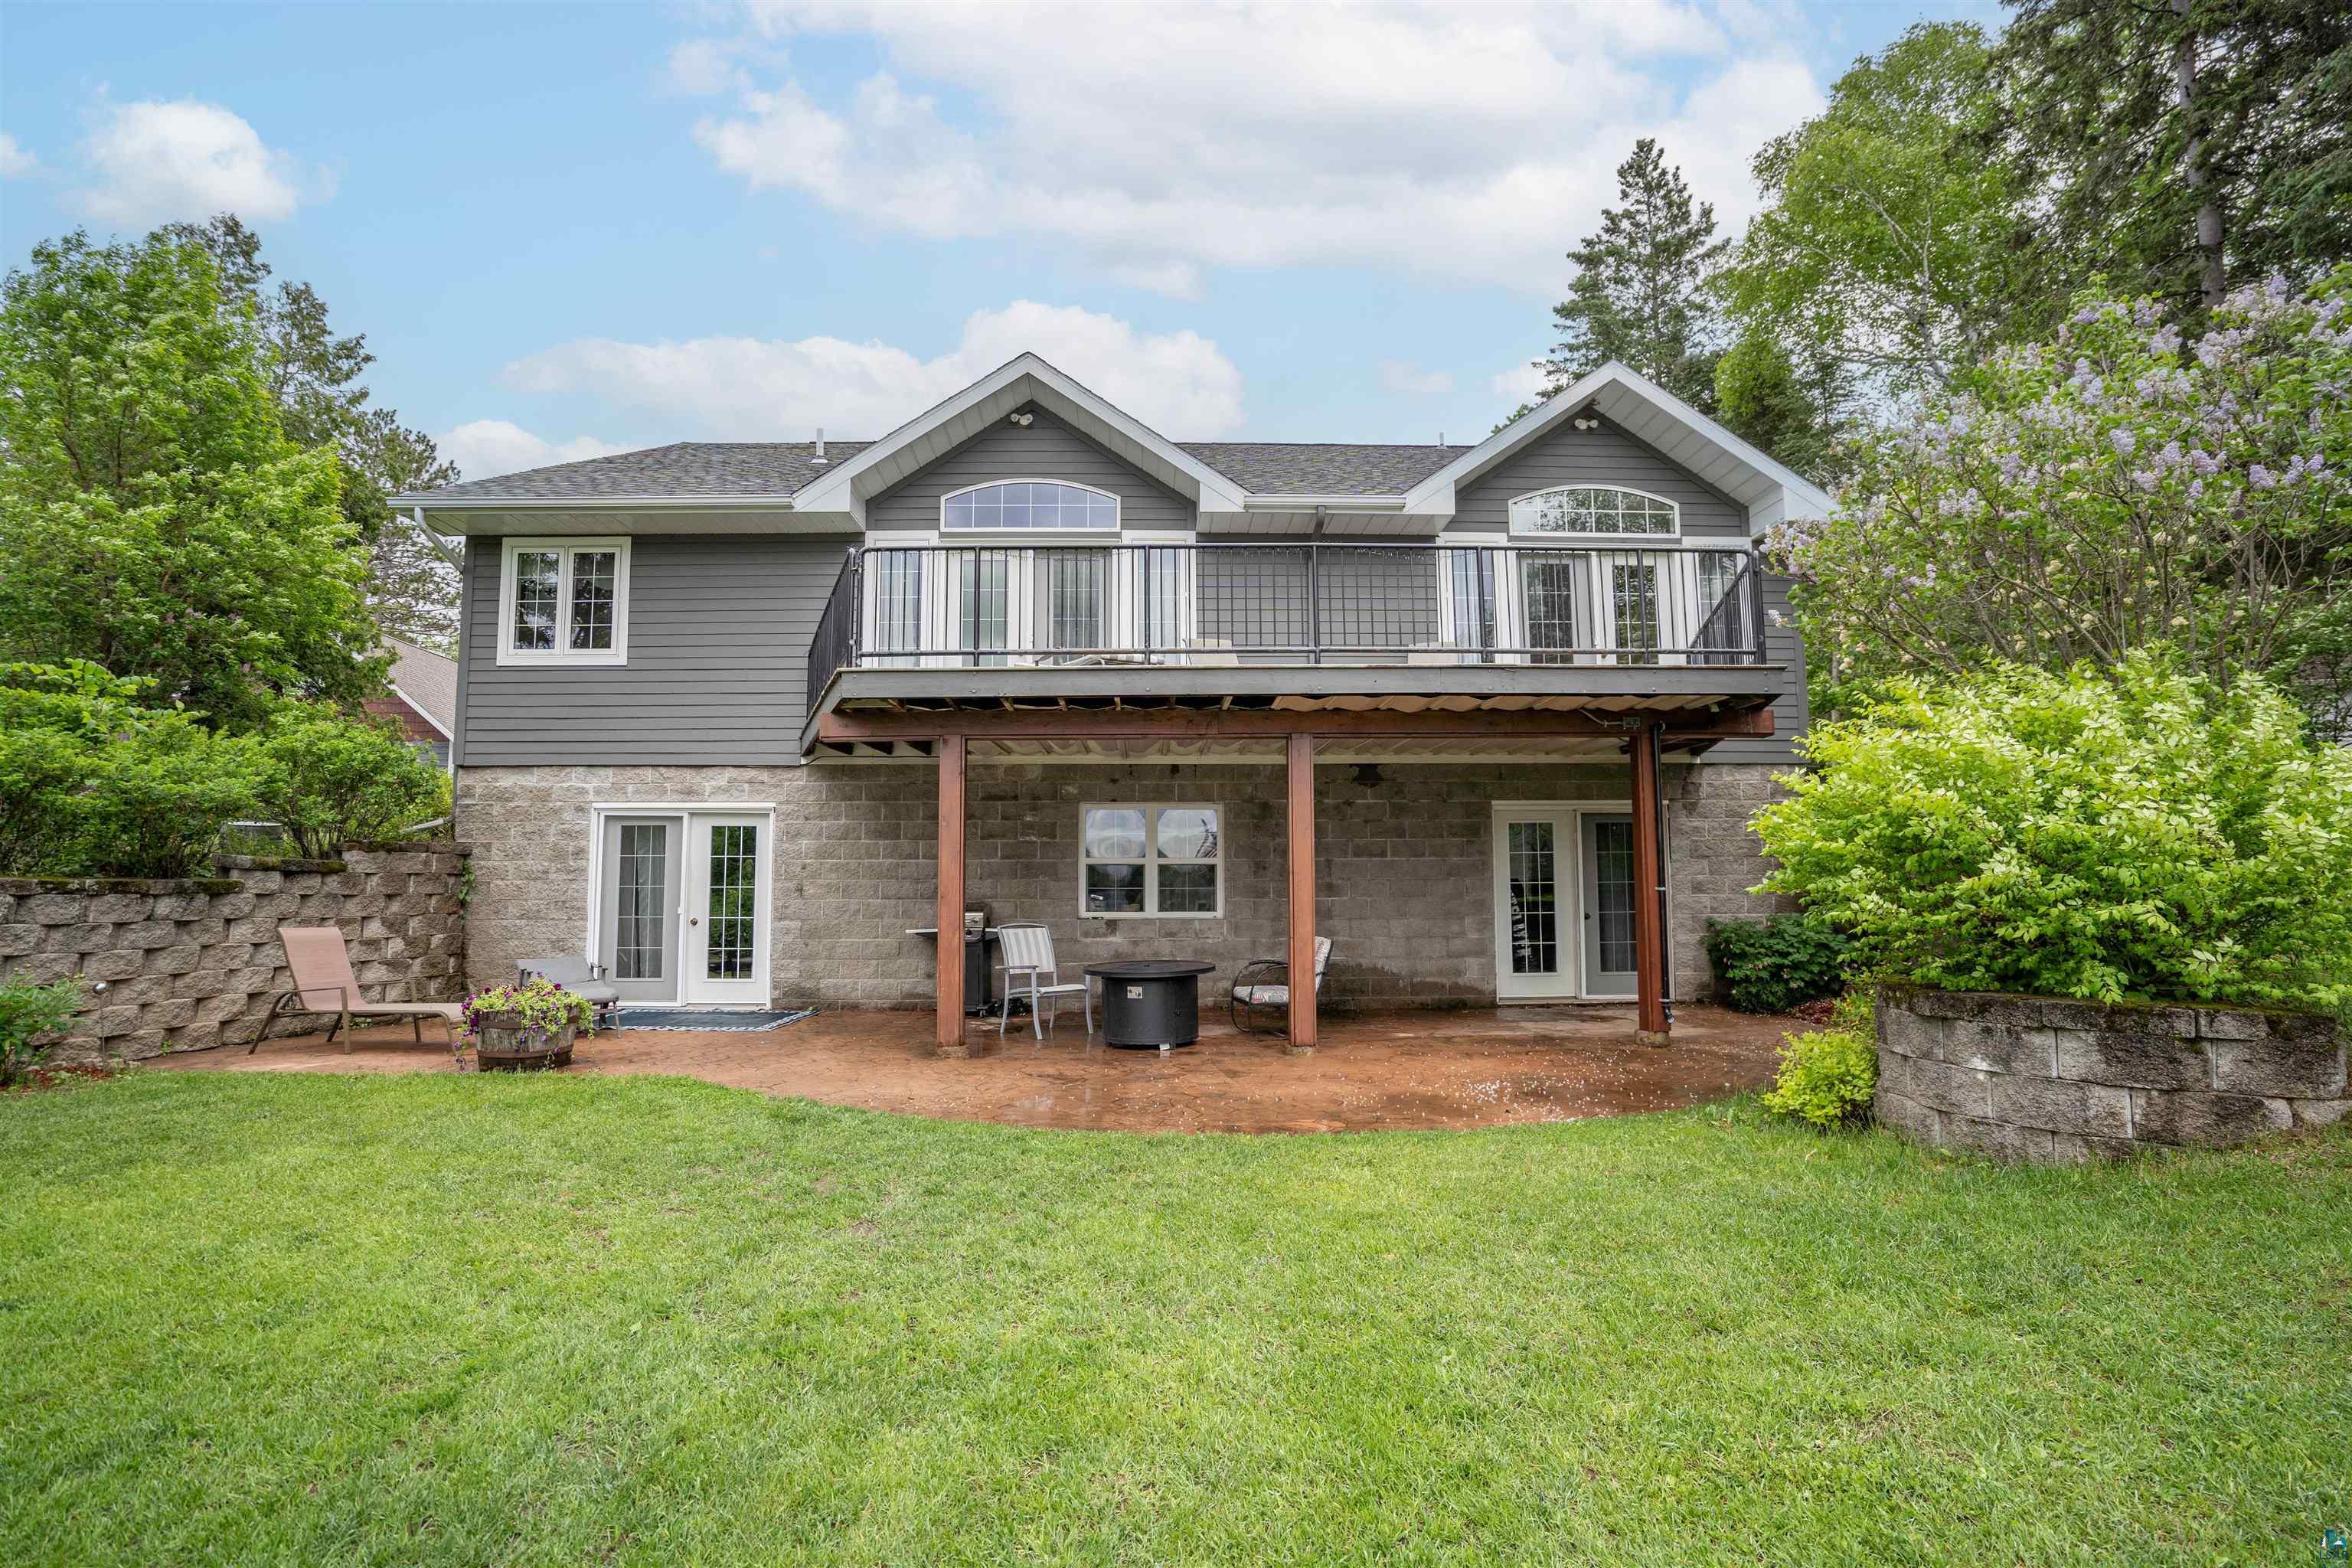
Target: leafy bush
x: 2132, y: 834
x: 1827, y: 1076
x: 32, y: 1018
x: 542, y: 1005
x: 92, y: 784
x: 335, y: 778
x: 1774, y: 964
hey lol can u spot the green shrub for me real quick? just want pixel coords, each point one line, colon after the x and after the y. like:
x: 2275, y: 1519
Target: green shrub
x: 1827, y: 1076
x: 2132, y: 834
x: 336, y: 778
x: 32, y: 1019
x: 1771, y: 965
x: 93, y: 784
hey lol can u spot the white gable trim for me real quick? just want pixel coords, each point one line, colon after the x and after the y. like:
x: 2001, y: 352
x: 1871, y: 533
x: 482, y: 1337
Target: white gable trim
x: 1769, y: 489
x: 844, y: 491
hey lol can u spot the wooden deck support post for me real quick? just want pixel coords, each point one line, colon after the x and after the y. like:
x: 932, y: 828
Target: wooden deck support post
x: 1649, y: 894
x: 1300, y: 760
x: 951, y: 1034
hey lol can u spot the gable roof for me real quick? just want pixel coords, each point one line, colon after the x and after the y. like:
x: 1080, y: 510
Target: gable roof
x: 1405, y: 488
x: 426, y: 681
x: 1652, y: 415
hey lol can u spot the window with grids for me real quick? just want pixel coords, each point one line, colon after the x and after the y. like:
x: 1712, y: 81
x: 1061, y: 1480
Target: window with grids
x: 565, y: 600
x: 1595, y: 508
x: 1151, y: 860
x: 1028, y: 506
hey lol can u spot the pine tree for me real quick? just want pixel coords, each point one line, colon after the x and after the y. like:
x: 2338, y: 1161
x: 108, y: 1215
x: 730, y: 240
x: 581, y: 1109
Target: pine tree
x: 1639, y: 295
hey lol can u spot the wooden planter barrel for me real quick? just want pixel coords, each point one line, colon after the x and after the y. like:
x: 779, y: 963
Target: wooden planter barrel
x: 501, y: 1040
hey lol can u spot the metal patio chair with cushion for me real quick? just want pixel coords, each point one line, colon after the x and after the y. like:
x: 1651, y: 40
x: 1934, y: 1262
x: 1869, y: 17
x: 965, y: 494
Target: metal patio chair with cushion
x: 1026, y: 947
x: 1264, y: 986
x: 322, y: 967
x: 580, y: 977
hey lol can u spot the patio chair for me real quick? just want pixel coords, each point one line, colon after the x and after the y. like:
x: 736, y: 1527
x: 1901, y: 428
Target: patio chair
x: 322, y: 967
x: 1263, y: 985
x: 1026, y: 947
x: 580, y: 977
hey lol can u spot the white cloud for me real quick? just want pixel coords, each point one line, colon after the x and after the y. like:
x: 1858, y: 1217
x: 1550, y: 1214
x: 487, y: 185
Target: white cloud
x: 153, y: 162
x: 13, y: 158
x: 764, y: 389
x: 702, y: 67
x: 485, y: 448
x: 1396, y: 376
x: 1521, y: 384
x: 1473, y: 141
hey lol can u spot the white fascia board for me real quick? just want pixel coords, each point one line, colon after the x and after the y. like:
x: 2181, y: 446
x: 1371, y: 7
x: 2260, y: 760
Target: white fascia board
x: 1800, y: 495
x: 836, y: 492
x: 431, y: 502
x: 1261, y: 502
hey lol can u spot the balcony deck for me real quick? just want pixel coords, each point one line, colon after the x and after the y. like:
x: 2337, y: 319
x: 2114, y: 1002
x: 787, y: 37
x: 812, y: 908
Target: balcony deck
x: 1165, y: 650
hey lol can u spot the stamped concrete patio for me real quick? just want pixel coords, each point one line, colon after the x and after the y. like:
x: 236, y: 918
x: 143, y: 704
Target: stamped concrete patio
x: 1374, y: 1071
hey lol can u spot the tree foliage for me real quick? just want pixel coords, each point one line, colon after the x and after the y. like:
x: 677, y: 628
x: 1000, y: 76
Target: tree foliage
x: 314, y: 377
x: 2118, y: 488
x: 2188, y: 147
x: 1894, y: 245
x: 1792, y: 413
x: 1638, y: 297
x: 333, y: 779
x: 2138, y: 833
x: 154, y: 516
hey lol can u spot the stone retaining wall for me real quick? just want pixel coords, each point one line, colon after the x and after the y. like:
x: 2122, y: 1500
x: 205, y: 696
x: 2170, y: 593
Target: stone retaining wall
x: 2027, y: 1077
x: 183, y: 965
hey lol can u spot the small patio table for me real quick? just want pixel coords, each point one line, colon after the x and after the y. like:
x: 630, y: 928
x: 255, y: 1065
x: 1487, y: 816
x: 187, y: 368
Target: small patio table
x: 1150, y: 1003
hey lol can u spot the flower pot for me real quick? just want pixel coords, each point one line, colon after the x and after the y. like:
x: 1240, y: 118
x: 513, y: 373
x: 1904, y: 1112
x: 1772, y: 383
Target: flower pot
x: 504, y: 1040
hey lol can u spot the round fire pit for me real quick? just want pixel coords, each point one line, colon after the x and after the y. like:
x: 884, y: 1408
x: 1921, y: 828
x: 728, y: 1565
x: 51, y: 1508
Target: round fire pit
x: 1150, y: 1003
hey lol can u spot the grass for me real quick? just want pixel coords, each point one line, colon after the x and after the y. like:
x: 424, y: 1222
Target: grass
x: 441, y: 1320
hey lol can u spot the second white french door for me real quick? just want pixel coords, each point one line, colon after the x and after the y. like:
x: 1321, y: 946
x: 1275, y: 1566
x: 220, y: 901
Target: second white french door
x: 726, y: 926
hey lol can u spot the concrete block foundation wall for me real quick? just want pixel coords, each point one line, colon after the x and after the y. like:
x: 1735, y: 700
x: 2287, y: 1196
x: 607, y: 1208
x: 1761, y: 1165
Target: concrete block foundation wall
x: 2026, y: 1078
x: 188, y: 964
x: 1404, y: 886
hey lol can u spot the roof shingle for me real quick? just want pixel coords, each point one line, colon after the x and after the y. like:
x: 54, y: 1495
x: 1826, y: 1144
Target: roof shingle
x: 720, y: 470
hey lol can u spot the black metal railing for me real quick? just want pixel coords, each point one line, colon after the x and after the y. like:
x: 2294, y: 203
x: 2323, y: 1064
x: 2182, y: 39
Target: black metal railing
x: 995, y: 606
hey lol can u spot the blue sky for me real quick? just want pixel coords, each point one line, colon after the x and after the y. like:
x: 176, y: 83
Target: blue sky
x: 568, y: 230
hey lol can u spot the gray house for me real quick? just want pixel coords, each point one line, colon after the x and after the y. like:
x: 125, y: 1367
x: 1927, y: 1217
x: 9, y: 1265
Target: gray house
x: 738, y: 722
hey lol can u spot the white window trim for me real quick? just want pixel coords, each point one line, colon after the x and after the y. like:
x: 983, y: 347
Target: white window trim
x: 1510, y: 512
x: 1152, y: 859
x: 618, y: 653
x: 1117, y: 511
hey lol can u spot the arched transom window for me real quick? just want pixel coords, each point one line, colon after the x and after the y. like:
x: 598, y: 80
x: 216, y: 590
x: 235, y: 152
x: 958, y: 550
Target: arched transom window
x: 1027, y: 506
x: 1594, y: 509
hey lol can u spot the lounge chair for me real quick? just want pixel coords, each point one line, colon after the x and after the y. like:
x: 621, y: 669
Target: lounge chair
x: 322, y: 967
x: 1264, y: 983
x: 580, y: 977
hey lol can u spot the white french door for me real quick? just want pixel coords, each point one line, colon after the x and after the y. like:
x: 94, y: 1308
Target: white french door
x: 1535, y: 902
x: 681, y: 905
x: 947, y: 606
x: 726, y: 909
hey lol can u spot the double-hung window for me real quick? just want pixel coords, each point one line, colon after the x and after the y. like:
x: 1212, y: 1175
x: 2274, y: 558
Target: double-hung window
x: 1151, y: 860
x: 563, y: 601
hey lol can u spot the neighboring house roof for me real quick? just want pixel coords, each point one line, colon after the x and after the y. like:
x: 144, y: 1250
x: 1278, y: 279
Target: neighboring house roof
x: 1232, y: 483
x: 426, y: 681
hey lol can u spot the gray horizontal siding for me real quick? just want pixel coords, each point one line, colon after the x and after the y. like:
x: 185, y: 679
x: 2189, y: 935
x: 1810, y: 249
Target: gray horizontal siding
x: 1606, y: 455
x: 1045, y: 449
x: 1791, y: 713
x: 719, y: 636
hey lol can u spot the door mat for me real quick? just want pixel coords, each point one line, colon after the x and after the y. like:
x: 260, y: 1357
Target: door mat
x: 712, y: 1019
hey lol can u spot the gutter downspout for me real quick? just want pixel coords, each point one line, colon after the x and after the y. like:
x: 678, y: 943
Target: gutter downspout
x: 441, y: 546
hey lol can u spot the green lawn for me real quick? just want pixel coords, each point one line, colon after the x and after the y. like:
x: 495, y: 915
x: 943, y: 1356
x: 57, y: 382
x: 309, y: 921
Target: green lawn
x: 306, y: 1320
